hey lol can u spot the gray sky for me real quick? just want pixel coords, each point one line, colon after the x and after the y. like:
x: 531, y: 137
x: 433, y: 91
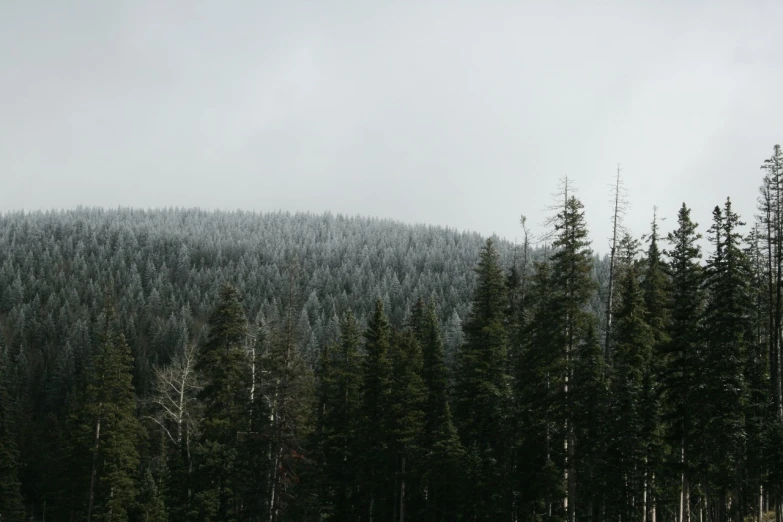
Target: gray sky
x: 452, y: 113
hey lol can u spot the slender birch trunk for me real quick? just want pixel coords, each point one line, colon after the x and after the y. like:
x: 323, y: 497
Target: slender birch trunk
x: 94, y: 472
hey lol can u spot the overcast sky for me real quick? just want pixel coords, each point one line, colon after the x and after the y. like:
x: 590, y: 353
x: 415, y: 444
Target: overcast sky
x: 456, y: 113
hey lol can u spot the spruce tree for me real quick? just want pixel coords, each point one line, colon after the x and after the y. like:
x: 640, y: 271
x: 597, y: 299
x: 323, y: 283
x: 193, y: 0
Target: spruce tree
x: 682, y: 353
x: 11, y: 505
x: 758, y: 414
x: 572, y: 265
x: 655, y: 286
x: 106, y: 428
x: 224, y: 369
x: 538, y: 385
x: 483, y: 397
x: 728, y: 332
x: 633, y: 341
x: 287, y: 386
x: 376, y: 482
x: 407, y: 414
x: 443, y: 452
x: 339, y: 396
x: 591, y: 423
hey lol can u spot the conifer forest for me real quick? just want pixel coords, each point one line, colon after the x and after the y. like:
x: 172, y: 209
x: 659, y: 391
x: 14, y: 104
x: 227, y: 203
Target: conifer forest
x: 213, y: 366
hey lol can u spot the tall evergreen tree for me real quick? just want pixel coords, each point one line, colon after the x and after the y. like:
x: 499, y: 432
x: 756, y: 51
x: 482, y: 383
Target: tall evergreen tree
x: 224, y: 369
x: 11, y: 505
x: 728, y: 332
x: 539, y: 390
x: 376, y: 481
x: 633, y: 341
x: 572, y: 265
x: 339, y: 395
x: 106, y: 428
x: 655, y: 287
x: 443, y: 452
x: 407, y: 400
x: 483, y: 397
x: 682, y: 354
x: 287, y: 386
x: 591, y: 423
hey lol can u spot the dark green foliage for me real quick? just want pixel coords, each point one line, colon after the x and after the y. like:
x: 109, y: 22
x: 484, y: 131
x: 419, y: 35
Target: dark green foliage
x: 442, y: 452
x: 681, y: 424
x: 376, y: 462
x: 408, y: 400
x: 483, y: 387
x: 339, y: 389
x: 539, y: 392
x: 286, y: 384
x: 682, y: 354
x: 225, y: 371
x: 105, y: 432
x: 11, y: 507
x: 728, y: 338
x: 629, y: 436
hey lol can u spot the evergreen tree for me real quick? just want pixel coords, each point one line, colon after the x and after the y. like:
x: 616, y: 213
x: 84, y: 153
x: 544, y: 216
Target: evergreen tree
x: 11, y: 506
x: 106, y: 428
x: 722, y: 390
x: 633, y: 341
x: 591, y: 423
x: 443, y: 452
x: 288, y: 388
x: 376, y: 464
x: 224, y: 369
x: 339, y: 396
x: 682, y: 354
x: 758, y: 414
x: 655, y: 287
x: 407, y: 400
x: 572, y: 265
x: 539, y: 391
x: 483, y: 390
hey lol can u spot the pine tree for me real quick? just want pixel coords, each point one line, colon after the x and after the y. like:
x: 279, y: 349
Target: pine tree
x: 590, y: 402
x: 224, y: 369
x: 758, y: 414
x: 682, y: 354
x: 339, y: 397
x: 150, y: 504
x: 288, y: 388
x: 771, y: 219
x: 728, y: 331
x: 483, y: 390
x: 11, y: 505
x: 538, y: 387
x: 443, y: 452
x: 655, y: 286
x: 633, y: 341
x: 407, y: 400
x: 107, y: 428
x: 375, y: 443
x: 572, y: 265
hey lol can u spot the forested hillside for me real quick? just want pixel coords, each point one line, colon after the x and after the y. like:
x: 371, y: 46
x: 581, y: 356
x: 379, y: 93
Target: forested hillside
x: 226, y: 366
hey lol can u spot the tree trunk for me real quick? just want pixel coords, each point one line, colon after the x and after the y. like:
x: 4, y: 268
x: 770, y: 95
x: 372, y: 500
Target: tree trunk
x: 402, y: 491
x: 94, y: 473
x: 612, y: 252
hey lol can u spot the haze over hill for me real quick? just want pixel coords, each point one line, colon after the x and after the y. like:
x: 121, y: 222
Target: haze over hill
x: 457, y: 114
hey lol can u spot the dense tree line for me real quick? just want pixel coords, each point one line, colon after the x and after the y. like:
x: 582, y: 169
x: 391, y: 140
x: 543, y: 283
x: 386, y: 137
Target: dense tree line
x: 183, y: 365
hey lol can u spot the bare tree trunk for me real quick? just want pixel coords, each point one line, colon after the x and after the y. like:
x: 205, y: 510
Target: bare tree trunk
x: 94, y: 473
x: 644, y: 493
x: 685, y: 494
x: 612, y: 256
x: 402, y: 491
